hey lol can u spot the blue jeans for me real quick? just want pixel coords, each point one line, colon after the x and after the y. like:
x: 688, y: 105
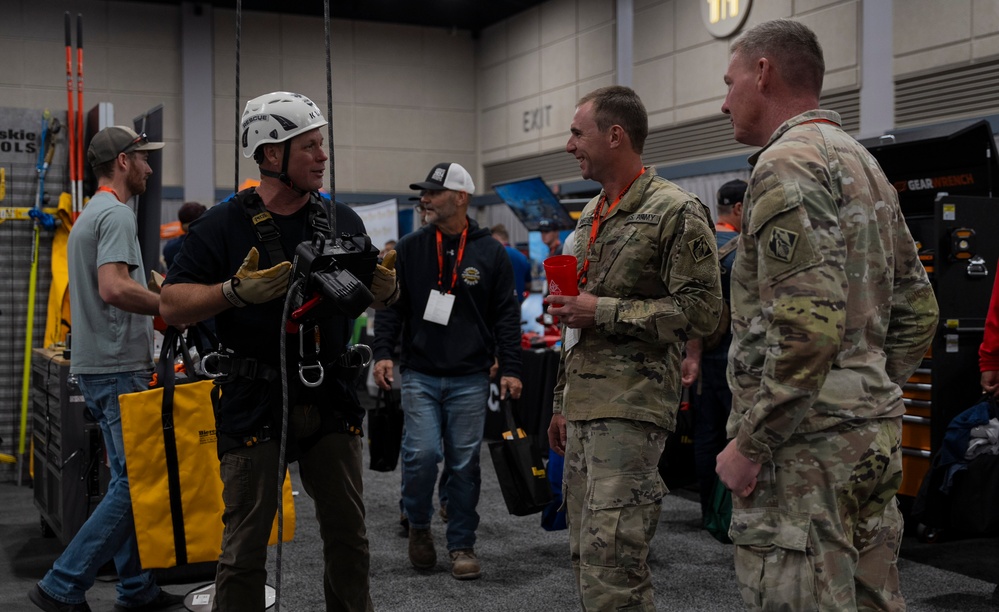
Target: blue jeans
x: 109, y: 532
x: 452, y: 410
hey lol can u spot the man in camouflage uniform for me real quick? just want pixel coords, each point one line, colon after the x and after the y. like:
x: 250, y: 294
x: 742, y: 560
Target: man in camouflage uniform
x: 831, y: 313
x: 648, y: 280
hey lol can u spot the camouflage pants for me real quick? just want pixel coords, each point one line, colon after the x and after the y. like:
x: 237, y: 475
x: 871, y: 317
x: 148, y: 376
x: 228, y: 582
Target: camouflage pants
x: 613, y: 494
x: 822, y: 530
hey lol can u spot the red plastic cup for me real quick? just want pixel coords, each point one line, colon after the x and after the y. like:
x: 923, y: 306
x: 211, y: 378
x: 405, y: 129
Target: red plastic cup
x: 560, y: 270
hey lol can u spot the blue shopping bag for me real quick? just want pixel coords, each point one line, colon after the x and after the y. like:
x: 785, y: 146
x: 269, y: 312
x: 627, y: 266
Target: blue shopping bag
x: 553, y: 519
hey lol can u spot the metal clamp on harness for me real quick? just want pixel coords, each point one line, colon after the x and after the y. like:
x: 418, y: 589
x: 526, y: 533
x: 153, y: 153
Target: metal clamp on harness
x: 225, y: 365
x: 357, y: 356
x: 349, y: 365
x: 212, y: 364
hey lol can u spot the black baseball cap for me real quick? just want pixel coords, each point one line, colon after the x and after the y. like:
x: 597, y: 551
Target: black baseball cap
x: 732, y: 192
x: 447, y: 175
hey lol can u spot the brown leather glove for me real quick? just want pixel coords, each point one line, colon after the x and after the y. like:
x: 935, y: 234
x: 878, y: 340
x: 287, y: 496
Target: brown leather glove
x: 155, y: 282
x: 252, y: 286
x: 384, y: 284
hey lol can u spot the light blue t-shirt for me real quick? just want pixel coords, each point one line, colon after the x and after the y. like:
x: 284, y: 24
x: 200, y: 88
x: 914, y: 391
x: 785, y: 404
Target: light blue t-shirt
x: 105, y: 339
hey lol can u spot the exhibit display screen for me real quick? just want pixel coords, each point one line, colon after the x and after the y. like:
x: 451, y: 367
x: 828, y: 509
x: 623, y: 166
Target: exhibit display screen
x: 535, y: 204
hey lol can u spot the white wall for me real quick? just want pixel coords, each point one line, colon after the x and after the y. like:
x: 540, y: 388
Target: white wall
x: 933, y: 34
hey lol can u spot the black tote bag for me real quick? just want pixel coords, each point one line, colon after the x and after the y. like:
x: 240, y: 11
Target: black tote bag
x: 519, y: 469
x: 385, y: 423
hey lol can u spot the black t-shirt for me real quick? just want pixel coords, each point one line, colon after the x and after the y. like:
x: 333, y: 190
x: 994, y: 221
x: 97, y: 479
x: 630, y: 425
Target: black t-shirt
x: 214, y: 249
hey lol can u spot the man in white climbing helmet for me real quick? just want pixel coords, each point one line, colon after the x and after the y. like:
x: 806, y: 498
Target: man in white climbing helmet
x: 234, y: 265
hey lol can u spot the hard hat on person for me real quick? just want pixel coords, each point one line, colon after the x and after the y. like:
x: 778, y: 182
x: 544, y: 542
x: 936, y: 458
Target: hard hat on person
x: 277, y: 117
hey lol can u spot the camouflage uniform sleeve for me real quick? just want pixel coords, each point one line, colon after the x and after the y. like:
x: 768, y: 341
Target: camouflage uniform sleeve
x: 802, y: 281
x: 689, y: 271
x: 559, y: 392
x: 914, y: 312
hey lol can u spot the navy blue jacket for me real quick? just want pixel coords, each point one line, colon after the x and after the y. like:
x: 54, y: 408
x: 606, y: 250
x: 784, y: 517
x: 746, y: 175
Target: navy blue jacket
x: 485, y: 320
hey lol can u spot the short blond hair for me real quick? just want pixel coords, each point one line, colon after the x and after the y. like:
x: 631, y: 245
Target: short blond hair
x: 791, y: 46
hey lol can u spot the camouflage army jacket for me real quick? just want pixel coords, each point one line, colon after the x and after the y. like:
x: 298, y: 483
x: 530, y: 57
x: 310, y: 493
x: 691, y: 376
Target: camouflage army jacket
x: 653, y: 267
x: 831, y: 308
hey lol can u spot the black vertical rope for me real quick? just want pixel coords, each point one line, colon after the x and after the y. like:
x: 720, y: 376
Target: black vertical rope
x: 239, y: 17
x: 329, y: 119
x: 293, y: 290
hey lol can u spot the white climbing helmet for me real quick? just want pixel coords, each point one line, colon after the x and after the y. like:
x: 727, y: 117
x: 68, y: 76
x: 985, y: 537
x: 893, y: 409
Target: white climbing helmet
x: 277, y: 117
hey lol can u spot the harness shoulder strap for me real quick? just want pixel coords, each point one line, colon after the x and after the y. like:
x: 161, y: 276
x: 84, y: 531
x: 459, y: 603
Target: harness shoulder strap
x: 321, y: 211
x: 263, y: 224
x: 267, y: 229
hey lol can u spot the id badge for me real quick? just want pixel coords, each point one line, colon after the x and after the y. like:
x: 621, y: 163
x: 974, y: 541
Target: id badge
x: 571, y: 338
x: 439, y: 307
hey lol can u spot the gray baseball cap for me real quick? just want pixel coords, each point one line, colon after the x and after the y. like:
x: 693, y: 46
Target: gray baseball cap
x: 109, y: 142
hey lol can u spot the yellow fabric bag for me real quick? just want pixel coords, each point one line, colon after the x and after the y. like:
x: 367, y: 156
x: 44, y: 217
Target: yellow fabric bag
x: 58, y: 321
x: 173, y: 469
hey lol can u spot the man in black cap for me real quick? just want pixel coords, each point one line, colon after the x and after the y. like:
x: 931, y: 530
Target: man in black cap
x: 456, y: 313
x: 186, y: 215
x: 550, y: 236
x: 706, y: 358
x: 112, y: 355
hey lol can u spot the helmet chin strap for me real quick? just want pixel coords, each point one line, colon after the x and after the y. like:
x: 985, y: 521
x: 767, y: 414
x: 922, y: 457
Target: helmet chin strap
x: 283, y: 175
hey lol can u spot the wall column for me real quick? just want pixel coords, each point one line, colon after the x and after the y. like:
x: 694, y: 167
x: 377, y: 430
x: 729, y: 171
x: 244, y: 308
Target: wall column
x: 198, y: 106
x: 625, y: 41
x: 877, y: 78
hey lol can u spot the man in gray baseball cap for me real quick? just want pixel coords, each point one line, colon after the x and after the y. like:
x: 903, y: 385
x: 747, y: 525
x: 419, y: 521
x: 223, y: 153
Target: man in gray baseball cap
x: 112, y: 141
x: 112, y: 354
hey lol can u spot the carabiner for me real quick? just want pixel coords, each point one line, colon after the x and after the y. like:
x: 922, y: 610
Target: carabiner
x: 302, y: 369
x: 211, y: 364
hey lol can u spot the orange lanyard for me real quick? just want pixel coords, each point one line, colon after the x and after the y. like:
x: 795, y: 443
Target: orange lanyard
x: 457, y: 261
x: 726, y: 227
x: 109, y: 190
x: 598, y: 217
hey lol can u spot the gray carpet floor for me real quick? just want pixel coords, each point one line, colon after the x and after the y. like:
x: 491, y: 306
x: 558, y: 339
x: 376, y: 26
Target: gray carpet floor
x: 523, y: 566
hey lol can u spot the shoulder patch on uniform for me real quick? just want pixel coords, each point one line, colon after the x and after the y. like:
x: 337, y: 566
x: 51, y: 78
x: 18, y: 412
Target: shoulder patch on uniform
x: 699, y: 248
x: 781, y: 244
x: 644, y: 218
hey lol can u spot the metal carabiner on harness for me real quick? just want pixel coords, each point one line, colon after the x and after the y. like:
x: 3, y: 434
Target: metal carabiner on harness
x: 357, y: 356
x: 211, y: 364
x: 302, y: 369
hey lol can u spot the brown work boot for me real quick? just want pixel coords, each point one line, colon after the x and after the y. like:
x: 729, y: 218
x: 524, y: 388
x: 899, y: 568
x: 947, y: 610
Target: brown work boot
x: 464, y: 564
x: 421, y: 549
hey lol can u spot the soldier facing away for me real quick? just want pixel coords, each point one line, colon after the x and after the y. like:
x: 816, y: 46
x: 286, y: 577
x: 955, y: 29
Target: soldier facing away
x: 831, y: 312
